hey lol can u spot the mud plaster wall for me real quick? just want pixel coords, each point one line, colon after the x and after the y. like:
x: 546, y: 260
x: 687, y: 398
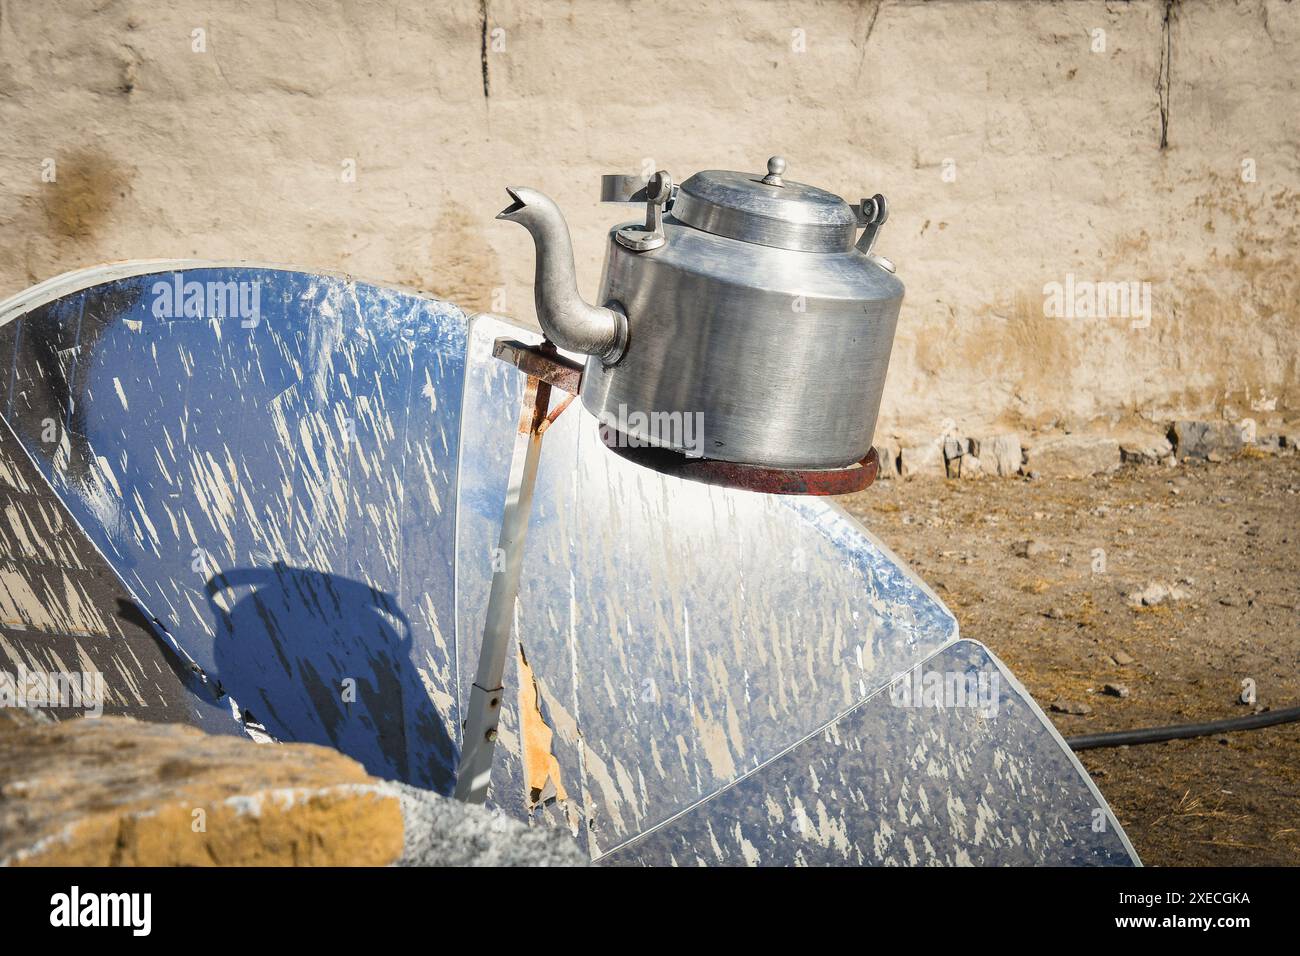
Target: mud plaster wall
x: 1123, y: 165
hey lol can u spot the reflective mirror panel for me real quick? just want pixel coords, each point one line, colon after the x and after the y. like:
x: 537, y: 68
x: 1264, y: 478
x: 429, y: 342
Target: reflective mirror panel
x: 299, y: 479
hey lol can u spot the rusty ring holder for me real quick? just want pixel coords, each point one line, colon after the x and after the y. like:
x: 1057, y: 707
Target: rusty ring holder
x: 726, y: 474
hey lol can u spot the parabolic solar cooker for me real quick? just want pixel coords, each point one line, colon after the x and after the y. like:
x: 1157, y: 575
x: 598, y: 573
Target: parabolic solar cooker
x: 670, y: 642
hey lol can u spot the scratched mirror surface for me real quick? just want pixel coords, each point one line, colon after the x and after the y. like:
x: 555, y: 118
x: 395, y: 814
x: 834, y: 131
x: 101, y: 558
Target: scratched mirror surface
x: 267, y: 459
x: 298, y: 479
x: 951, y: 765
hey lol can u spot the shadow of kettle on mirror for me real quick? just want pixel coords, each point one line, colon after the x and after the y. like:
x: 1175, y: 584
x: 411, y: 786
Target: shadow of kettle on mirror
x: 323, y: 659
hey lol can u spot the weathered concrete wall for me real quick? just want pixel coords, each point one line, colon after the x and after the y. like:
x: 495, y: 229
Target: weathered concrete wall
x: 1014, y: 151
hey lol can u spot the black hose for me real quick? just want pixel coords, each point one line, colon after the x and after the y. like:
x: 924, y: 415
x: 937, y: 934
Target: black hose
x: 1152, y: 735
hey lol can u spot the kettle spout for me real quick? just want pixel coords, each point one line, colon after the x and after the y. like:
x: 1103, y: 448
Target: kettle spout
x: 516, y: 207
x: 566, y: 318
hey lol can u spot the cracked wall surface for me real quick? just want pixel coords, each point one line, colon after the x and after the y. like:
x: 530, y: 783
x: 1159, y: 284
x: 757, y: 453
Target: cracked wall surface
x: 377, y: 137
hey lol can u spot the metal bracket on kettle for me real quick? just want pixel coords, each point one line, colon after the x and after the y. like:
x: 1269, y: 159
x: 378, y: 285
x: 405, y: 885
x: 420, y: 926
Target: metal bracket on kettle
x: 872, y: 214
x: 657, y: 194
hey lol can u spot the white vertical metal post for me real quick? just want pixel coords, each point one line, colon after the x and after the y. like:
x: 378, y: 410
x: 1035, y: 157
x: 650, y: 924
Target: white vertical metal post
x: 484, y: 710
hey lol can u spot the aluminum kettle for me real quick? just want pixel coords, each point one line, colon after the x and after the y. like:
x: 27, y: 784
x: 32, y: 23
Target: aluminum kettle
x: 744, y: 320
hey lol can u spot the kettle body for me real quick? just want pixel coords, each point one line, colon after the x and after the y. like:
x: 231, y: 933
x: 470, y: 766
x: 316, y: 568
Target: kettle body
x: 750, y: 327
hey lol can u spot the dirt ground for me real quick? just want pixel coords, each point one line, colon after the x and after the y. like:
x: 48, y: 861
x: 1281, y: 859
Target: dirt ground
x: 1041, y: 571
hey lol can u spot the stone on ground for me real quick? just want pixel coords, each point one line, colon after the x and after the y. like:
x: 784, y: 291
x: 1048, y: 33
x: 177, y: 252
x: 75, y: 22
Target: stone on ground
x: 925, y: 458
x: 1212, y: 441
x: 1157, y: 593
x: 442, y: 832
x: 1074, y: 456
x: 1145, y: 449
x: 1001, y: 455
x: 887, y: 451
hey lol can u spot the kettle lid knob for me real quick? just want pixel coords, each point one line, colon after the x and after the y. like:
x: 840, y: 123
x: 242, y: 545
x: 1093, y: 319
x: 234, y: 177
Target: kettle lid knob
x: 775, y: 170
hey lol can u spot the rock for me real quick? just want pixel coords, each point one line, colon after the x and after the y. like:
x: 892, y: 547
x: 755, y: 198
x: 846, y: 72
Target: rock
x: 1001, y: 455
x: 961, y: 458
x: 1115, y: 690
x: 21, y: 717
x: 887, y: 450
x: 923, y: 459
x: 1146, y: 449
x: 444, y: 832
x: 972, y: 467
x: 1074, y: 456
x: 1070, y: 707
x: 1157, y: 593
x: 116, y: 791
x: 1212, y: 441
x: 1029, y: 549
x: 1122, y: 658
x: 1153, y: 594
x: 1270, y: 444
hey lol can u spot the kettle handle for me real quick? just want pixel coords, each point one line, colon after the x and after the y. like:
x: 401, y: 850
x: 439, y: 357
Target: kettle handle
x: 616, y: 187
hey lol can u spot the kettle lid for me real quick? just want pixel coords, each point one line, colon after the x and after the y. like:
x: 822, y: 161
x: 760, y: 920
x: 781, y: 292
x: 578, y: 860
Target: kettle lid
x: 768, y: 210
